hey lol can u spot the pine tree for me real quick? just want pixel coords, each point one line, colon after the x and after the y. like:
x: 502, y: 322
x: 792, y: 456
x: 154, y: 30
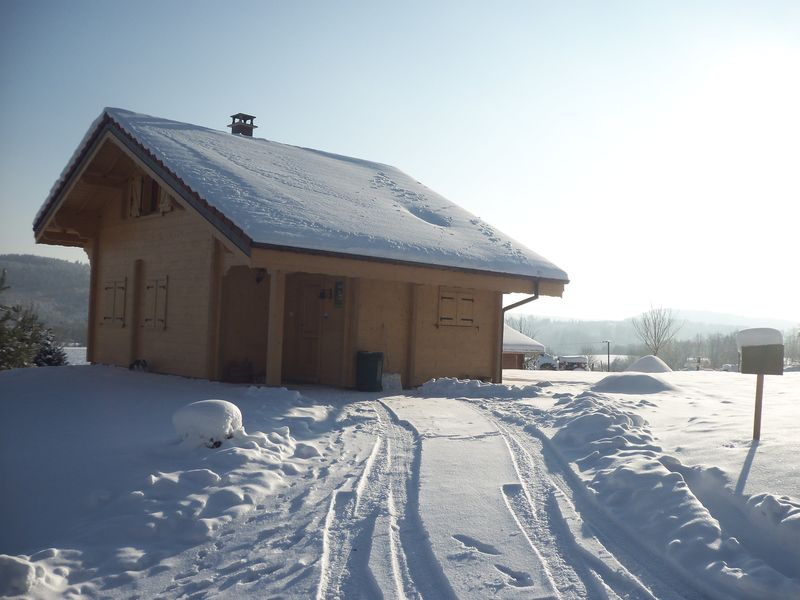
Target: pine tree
x: 51, y: 353
x: 20, y: 333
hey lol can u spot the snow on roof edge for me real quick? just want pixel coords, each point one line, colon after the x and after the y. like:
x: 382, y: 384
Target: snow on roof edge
x: 516, y: 341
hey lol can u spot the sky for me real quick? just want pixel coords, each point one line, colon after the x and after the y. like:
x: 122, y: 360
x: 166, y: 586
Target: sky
x: 649, y: 149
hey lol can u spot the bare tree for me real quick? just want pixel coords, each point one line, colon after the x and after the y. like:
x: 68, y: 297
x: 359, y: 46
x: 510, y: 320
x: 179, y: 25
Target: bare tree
x: 526, y: 324
x: 656, y: 328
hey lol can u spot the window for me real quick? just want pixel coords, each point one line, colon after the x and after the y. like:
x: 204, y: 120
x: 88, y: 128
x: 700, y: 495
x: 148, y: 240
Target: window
x: 146, y: 197
x: 456, y: 307
x: 114, y: 292
x: 155, y: 303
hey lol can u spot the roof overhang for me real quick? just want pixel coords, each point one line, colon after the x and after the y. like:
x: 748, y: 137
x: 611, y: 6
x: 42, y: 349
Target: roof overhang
x: 348, y: 265
x: 108, y: 130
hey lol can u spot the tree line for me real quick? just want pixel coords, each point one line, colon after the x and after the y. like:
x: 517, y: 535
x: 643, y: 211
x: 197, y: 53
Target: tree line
x: 653, y: 332
x: 56, y: 290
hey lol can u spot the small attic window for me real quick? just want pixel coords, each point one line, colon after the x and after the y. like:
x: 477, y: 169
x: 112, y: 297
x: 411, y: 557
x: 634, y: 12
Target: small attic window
x: 147, y: 197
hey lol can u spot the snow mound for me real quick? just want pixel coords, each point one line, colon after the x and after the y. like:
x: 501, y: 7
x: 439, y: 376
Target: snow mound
x: 17, y: 576
x: 207, y: 422
x: 758, y: 336
x: 633, y: 383
x: 450, y: 387
x: 649, y: 364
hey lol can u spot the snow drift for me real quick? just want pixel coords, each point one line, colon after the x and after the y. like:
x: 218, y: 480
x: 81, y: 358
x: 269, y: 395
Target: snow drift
x: 632, y: 383
x: 649, y: 364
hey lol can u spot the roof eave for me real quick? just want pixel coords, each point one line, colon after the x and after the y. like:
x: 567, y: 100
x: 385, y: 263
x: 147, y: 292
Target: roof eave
x: 406, y: 263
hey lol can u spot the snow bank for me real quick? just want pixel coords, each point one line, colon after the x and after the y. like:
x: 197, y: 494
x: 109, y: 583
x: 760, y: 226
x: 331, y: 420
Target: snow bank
x: 632, y: 383
x: 207, y: 422
x: 779, y: 518
x: 17, y: 575
x: 649, y: 364
x: 617, y: 458
x: 758, y: 336
x: 451, y: 387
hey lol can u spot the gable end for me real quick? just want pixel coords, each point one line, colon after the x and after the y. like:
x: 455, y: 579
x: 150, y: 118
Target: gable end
x: 107, y: 126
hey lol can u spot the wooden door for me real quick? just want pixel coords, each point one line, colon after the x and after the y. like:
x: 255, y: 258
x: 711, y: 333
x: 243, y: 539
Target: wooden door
x: 332, y: 307
x: 310, y: 328
x: 314, y: 328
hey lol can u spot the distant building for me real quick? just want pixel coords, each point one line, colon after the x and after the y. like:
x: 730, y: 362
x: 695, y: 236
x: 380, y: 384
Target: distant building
x: 235, y: 258
x: 518, y: 347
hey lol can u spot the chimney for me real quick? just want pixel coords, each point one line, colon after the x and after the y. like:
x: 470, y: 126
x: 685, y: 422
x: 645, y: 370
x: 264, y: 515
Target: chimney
x: 242, y: 124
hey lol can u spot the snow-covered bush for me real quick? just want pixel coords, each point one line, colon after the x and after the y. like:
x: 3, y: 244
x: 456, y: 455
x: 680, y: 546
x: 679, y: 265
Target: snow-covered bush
x: 207, y: 422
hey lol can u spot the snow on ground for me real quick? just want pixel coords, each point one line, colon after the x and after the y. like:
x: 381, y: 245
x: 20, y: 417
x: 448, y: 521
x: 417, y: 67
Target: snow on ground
x: 548, y: 486
x: 76, y: 355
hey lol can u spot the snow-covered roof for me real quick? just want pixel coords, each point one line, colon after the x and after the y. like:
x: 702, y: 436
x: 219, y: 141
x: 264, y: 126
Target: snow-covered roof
x: 514, y: 341
x: 298, y: 198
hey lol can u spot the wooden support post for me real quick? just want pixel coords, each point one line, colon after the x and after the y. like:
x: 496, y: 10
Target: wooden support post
x: 411, y: 358
x: 277, y: 297
x: 213, y: 367
x: 94, y: 277
x: 498, y: 340
x: 352, y: 310
x: 134, y: 331
x: 759, y: 396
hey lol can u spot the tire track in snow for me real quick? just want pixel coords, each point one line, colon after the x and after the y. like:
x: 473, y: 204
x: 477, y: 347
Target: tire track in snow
x: 601, y: 569
x: 421, y: 572
x: 348, y: 531
x: 556, y: 491
x: 374, y: 543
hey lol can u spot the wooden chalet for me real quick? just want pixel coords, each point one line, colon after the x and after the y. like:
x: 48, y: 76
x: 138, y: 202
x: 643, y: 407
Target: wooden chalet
x: 233, y: 258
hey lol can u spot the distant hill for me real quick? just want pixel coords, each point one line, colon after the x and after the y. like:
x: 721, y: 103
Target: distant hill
x: 57, y: 289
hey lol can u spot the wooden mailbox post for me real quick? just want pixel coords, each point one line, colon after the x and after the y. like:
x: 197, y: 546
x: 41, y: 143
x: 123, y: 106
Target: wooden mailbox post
x: 760, y: 353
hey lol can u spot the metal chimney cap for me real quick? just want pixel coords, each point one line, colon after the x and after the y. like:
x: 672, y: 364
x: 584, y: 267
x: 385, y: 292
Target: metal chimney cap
x: 242, y: 123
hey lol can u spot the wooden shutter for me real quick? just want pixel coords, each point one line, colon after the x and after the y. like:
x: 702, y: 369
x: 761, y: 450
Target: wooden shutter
x: 150, y: 303
x: 108, y: 301
x: 161, y: 303
x: 155, y: 303
x: 448, y: 308
x: 456, y: 307
x: 135, y: 196
x: 120, y: 293
x: 466, y: 310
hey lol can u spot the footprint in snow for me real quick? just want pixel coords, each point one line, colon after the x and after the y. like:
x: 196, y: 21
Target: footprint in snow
x: 516, y: 578
x: 469, y: 542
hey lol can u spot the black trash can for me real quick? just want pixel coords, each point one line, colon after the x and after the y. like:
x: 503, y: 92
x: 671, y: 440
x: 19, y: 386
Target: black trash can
x: 369, y: 371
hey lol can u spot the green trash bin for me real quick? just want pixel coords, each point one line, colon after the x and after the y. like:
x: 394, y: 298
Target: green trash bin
x: 369, y: 371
